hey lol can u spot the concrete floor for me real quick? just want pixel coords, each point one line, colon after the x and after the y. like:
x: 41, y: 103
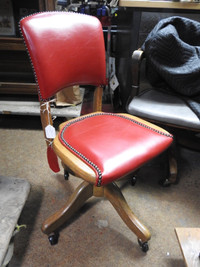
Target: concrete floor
x: 96, y: 236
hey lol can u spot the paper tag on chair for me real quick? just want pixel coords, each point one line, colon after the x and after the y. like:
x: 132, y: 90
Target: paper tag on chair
x: 114, y: 82
x: 50, y: 132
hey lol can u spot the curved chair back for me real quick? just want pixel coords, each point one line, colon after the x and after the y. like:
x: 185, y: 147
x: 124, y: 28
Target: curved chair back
x: 63, y: 51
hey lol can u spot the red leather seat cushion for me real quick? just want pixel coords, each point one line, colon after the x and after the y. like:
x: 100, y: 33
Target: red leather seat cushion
x: 112, y: 144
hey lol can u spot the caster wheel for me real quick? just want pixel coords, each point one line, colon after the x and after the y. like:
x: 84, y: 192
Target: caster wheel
x: 133, y: 180
x: 164, y: 183
x: 66, y: 175
x: 53, y: 239
x: 143, y: 245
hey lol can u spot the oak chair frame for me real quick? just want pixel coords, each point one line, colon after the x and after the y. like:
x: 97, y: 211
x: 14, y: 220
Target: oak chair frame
x: 87, y: 189
x: 49, y: 84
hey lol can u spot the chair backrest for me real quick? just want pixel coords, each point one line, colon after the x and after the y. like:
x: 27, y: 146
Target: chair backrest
x: 65, y: 49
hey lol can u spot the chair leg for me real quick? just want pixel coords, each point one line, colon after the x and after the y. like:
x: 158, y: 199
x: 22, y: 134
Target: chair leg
x: 114, y: 195
x: 83, y: 192
x: 172, y: 167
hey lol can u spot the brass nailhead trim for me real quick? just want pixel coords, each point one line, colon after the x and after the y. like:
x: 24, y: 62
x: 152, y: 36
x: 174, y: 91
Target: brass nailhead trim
x: 100, y: 114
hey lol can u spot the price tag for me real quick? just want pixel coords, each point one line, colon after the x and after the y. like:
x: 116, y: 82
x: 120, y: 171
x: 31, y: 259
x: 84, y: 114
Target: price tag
x: 50, y: 132
x: 114, y: 83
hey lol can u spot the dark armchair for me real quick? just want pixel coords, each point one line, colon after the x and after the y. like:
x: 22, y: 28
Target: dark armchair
x: 172, y: 98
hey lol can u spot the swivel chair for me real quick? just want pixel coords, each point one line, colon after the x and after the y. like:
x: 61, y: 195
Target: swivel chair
x: 68, y: 49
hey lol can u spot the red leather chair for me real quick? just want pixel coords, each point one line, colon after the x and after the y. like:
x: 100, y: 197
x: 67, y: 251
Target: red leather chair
x: 68, y: 49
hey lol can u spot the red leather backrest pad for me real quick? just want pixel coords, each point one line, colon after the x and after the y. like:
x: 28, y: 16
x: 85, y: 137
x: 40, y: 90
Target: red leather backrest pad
x: 65, y: 49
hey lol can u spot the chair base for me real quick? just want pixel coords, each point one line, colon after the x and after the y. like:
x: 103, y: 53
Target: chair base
x: 83, y: 192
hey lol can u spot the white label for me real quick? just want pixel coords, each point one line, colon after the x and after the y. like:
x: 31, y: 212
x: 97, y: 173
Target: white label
x: 114, y: 83
x: 50, y: 131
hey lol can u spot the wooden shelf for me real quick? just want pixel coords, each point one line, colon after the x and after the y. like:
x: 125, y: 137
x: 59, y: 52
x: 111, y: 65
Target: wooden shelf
x: 12, y: 43
x: 14, y: 65
x: 24, y: 107
x: 18, y: 88
x: 160, y: 4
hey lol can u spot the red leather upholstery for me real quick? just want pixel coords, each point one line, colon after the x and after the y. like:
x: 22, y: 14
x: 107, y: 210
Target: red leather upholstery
x: 112, y: 144
x: 64, y: 52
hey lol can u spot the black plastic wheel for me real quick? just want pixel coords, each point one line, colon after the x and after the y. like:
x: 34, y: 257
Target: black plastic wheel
x: 164, y: 182
x: 143, y: 245
x: 53, y: 238
x: 133, y: 180
x: 66, y: 175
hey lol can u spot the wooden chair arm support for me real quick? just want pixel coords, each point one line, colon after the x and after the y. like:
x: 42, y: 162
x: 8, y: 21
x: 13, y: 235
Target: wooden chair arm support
x: 137, y: 57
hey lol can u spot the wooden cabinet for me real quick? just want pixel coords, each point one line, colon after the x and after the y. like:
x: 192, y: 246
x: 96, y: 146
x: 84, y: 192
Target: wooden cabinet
x: 16, y: 76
